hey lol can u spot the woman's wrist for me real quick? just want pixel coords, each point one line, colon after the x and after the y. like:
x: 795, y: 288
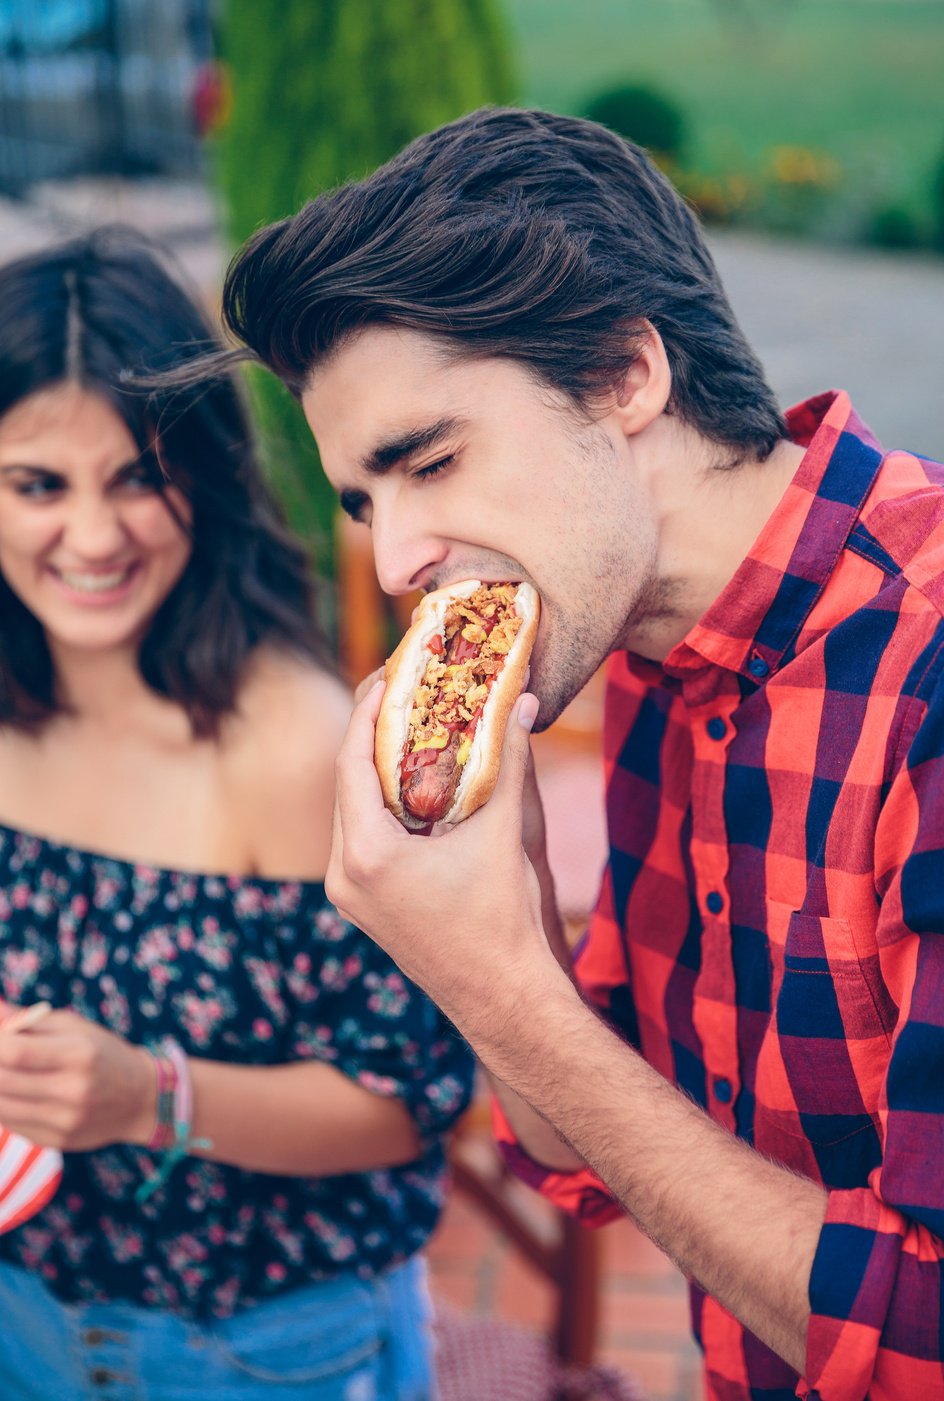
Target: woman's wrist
x: 144, y: 1096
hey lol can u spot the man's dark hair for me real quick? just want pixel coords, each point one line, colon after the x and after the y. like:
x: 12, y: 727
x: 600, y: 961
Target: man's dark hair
x: 542, y: 238
x: 100, y: 311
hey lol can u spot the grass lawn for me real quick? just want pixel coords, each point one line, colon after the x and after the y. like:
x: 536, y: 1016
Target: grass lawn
x: 860, y: 79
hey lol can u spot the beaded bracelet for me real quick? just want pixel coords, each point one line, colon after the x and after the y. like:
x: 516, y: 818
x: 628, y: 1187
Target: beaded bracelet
x: 165, y: 1117
x: 174, y: 1118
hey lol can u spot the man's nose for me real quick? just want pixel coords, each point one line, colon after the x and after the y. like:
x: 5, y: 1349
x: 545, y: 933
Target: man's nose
x: 403, y: 559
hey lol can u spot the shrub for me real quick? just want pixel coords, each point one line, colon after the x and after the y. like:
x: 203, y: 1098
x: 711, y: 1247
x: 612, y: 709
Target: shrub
x: 323, y: 91
x: 644, y: 115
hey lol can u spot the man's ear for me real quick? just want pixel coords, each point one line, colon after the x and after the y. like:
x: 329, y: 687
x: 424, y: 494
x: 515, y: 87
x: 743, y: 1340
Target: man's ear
x: 643, y: 393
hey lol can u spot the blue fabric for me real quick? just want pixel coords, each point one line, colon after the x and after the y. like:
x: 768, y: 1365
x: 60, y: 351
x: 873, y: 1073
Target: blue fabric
x: 346, y: 1340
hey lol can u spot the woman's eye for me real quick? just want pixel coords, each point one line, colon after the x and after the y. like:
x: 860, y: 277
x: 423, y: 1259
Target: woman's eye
x: 143, y: 477
x: 37, y: 488
x: 434, y: 468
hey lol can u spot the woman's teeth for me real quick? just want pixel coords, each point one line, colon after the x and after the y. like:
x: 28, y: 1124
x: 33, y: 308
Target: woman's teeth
x: 94, y: 583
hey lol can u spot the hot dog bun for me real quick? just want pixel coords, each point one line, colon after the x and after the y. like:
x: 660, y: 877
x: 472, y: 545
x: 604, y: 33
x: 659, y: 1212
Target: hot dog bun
x: 403, y: 674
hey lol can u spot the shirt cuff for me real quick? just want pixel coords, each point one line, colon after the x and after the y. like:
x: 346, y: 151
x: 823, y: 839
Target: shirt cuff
x: 854, y: 1276
x: 580, y: 1193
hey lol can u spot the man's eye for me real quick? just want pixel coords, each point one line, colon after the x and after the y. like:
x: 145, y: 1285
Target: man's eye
x: 434, y: 468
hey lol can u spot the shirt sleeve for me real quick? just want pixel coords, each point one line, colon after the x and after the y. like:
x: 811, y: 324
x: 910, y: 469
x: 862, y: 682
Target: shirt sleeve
x: 355, y: 1010
x: 877, y: 1284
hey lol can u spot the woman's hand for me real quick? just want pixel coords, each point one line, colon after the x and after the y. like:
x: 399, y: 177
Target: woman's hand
x: 71, y: 1084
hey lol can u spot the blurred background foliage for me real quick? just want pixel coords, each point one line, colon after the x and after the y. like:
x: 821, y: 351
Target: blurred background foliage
x: 820, y: 118
x: 323, y: 91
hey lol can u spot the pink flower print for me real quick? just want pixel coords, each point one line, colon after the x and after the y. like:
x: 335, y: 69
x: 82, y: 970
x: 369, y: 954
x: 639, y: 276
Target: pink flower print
x: 301, y: 987
x: 21, y: 896
x: 78, y: 906
x: 214, y: 947
x: 157, y: 946
x: 184, y: 1252
x: 115, y: 1008
x: 261, y: 1029
x: 94, y: 954
x: 126, y: 1243
x: 226, y: 1297
x: 388, y: 994
x: 5, y: 906
x: 265, y: 979
x: 107, y: 890
x: 330, y: 925
x: 335, y: 975
x: 21, y: 967
x: 275, y: 1271
x: 202, y: 1017
x: 217, y: 1234
x: 248, y: 901
x: 185, y: 939
x: 379, y: 1084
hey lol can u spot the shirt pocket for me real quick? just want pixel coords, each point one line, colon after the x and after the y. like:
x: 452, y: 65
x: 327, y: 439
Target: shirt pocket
x: 822, y: 1061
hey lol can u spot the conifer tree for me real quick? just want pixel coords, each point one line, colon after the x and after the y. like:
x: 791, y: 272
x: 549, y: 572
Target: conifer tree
x: 325, y: 91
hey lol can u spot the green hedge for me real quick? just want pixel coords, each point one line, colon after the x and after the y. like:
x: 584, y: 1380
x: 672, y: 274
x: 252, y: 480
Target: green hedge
x: 324, y: 91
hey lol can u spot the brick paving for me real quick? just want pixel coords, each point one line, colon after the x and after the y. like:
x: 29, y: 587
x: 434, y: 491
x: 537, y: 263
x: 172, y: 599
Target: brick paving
x: 644, y: 1327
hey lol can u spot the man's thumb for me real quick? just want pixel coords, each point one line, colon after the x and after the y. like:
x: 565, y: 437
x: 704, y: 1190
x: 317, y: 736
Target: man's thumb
x: 516, y: 746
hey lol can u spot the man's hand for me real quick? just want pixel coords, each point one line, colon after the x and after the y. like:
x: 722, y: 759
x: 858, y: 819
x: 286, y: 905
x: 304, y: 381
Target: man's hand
x: 71, y: 1084
x: 457, y: 910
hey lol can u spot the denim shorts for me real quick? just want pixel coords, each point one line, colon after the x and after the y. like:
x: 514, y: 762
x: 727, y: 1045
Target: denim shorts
x: 344, y: 1340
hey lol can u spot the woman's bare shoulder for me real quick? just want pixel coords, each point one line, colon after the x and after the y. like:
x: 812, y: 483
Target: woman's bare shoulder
x: 278, y: 755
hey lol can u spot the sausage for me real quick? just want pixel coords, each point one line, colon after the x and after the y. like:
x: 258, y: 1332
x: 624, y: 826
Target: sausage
x: 427, y: 792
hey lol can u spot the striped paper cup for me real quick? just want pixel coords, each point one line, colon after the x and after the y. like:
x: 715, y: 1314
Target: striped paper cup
x: 28, y: 1178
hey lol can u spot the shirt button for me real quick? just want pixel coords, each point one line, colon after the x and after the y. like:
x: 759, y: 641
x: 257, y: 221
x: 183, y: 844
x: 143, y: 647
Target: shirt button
x: 714, y: 902
x: 716, y: 727
x: 758, y: 667
x: 723, y: 1090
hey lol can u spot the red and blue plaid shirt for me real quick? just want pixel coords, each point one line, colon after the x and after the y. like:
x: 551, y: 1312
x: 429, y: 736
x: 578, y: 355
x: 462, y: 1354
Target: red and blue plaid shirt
x: 770, y: 930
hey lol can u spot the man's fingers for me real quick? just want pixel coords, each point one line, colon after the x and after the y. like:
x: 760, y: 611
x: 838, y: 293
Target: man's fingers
x: 367, y: 685
x: 516, y: 757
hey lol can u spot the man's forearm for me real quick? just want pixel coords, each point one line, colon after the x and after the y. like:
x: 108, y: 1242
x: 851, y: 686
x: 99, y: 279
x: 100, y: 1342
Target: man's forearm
x: 537, y: 1137
x: 743, y: 1227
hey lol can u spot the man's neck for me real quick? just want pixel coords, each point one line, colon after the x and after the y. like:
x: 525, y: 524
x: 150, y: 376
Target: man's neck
x: 710, y: 515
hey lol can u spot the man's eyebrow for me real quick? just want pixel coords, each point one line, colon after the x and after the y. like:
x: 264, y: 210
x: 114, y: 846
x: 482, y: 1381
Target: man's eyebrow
x: 387, y: 455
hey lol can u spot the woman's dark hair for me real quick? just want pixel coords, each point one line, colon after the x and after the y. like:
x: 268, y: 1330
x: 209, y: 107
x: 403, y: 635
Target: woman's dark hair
x: 542, y: 238
x: 101, y: 312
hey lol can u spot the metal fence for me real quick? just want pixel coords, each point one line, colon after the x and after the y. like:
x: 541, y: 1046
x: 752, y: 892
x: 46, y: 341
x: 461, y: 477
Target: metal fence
x: 100, y: 86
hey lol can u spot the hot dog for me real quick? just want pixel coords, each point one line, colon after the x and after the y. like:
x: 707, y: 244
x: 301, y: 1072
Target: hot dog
x: 451, y: 684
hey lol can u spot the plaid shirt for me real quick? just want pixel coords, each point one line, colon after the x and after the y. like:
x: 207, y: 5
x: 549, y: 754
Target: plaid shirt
x: 770, y: 930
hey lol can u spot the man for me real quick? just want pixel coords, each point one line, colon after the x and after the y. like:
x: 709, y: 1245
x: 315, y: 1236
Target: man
x: 518, y: 363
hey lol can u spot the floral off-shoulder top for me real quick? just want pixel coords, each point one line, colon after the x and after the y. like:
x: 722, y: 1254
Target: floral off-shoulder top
x: 256, y: 972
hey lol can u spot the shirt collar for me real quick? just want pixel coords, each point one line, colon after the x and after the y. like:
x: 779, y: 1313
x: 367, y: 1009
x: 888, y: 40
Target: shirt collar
x: 755, y: 619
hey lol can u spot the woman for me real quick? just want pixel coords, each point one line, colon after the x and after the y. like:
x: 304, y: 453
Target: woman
x: 249, y: 1097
